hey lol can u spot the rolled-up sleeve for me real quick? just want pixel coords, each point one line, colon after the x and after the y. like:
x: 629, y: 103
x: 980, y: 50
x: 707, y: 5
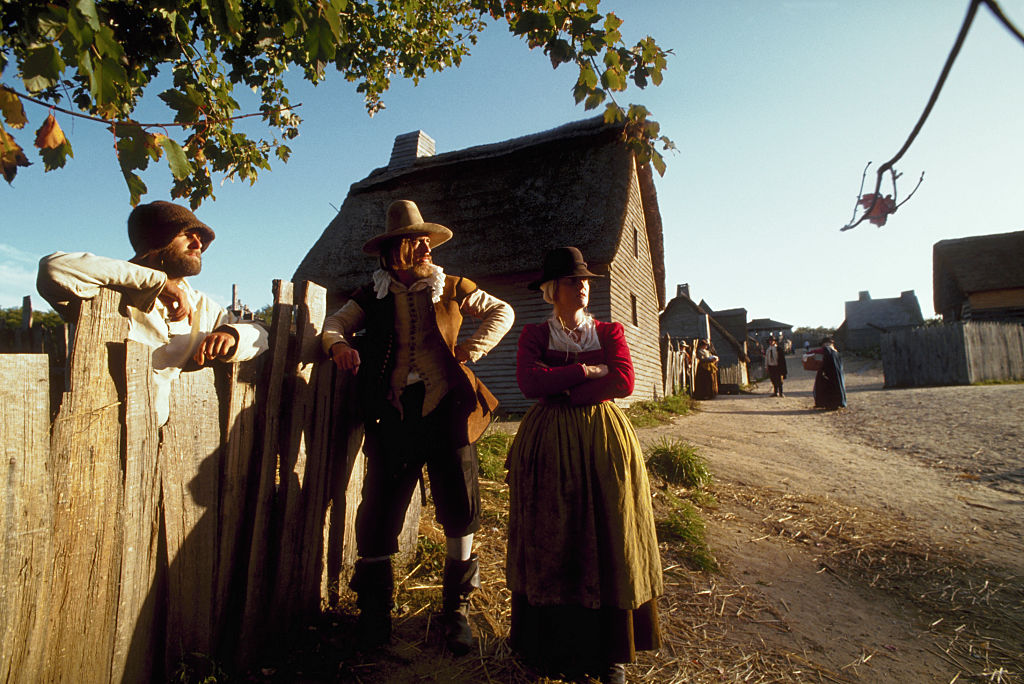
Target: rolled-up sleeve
x: 496, y: 319
x: 340, y: 325
x: 64, y: 277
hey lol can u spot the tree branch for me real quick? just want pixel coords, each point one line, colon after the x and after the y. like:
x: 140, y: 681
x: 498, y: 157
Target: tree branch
x: 129, y: 122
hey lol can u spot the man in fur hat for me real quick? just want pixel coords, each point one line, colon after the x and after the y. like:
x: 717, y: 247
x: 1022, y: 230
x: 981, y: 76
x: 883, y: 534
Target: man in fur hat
x: 421, y: 406
x: 183, y: 325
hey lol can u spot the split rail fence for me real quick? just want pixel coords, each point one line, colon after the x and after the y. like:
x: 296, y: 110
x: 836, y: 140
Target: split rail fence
x: 128, y: 548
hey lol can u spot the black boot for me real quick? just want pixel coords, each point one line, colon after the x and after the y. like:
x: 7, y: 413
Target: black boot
x: 460, y: 579
x: 373, y: 583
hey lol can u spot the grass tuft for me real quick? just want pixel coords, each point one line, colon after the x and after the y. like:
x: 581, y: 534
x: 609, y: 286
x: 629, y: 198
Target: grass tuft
x: 492, y: 450
x: 678, y: 463
x: 651, y: 413
x: 684, y: 525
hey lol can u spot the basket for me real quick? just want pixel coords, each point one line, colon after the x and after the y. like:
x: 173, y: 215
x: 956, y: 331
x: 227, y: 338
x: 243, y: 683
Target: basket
x: 814, y: 360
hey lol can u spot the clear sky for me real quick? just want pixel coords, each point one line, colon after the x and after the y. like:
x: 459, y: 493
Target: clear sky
x: 775, y: 107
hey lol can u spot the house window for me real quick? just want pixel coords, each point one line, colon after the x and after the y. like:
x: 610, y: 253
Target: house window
x: 636, y: 318
x: 636, y: 243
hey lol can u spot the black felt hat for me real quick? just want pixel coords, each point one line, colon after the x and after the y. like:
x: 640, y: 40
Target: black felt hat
x: 562, y: 262
x: 152, y: 226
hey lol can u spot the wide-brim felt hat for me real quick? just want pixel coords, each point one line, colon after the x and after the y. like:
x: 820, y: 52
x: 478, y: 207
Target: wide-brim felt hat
x: 562, y: 262
x: 403, y: 220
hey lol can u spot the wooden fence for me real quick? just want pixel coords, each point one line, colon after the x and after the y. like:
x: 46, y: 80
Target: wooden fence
x: 959, y: 353
x: 128, y: 547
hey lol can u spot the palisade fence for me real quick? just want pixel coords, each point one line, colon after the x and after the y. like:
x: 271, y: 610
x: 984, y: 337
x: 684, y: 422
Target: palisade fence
x: 129, y: 548
x: 958, y: 353
x: 678, y: 363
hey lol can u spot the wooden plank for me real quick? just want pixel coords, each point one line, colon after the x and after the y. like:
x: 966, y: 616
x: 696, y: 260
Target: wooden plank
x: 138, y: 637
x: 87, y: 476
x: 26, y: 503
x: 259, y: 577
x: 190, y: 456
x: 303, y: 466
x: 240, y: 458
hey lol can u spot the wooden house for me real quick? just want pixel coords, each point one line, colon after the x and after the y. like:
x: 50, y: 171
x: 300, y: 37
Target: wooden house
x: 507, y: 204
x: 980, y: 278
x: 763, y: 328
x: 685, y: 319
x: 867, y: 319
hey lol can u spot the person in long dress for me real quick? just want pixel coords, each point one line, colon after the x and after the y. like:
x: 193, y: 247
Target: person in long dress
x: 583, y: 564
x: 829, y: 381
x: 705, y: 382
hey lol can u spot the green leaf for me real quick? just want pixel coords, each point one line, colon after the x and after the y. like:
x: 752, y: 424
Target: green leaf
x: 588, y: 77
x: 87, y: 8
x: 176, y: 159
x: 12, y: 109
x: 532, y: 21
x: 612, y: 80
x: 56, y: 157
x: 594, y: 99
x: 136, y: 188
x: 42, y: 68
x: 560, y: 51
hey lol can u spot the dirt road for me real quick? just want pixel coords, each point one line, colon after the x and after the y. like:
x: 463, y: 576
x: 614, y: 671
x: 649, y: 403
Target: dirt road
x: 884, y: 542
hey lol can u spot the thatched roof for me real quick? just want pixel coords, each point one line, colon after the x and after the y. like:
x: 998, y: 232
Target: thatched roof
x: 506, y: 203
x: 964, y: 266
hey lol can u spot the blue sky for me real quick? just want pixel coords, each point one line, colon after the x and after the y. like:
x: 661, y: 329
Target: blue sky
x: 775, y: 108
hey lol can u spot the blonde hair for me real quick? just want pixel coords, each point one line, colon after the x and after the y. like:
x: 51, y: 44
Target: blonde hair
x: 548, y: 289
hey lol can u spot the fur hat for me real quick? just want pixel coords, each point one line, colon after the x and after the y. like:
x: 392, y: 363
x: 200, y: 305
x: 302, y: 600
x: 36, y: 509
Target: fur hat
x: 152, y: 226
x: 403, y: 220
x: 562, y: 262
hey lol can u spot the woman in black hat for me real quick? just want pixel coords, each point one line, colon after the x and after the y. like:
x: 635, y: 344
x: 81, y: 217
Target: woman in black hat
x: 583, y: 564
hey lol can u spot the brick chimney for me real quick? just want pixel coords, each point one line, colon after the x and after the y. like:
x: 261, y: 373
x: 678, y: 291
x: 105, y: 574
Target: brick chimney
x: 408, y: 148
x: 683, y: 289
x: 865, y: 296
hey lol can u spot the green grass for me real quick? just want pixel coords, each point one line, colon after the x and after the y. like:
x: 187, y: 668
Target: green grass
x: 684, y: 525
x: 678, y: 463
x: 430, y: 554
x: 491, y: 450
x: 660, y: 412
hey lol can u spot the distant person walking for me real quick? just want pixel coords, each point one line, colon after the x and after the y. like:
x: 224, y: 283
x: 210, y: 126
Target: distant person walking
x: 775, y: 365
x: 830, y: 383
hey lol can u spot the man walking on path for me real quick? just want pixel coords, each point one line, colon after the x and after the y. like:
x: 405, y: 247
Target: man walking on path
x: 775, y: 364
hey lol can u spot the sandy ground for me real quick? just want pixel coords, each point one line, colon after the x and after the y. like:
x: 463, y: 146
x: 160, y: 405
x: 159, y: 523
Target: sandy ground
x: 880, y: 543
x: 932, y: 478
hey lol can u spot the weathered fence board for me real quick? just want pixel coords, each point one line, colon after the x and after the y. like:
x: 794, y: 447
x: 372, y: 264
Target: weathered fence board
x: 26, y: 506
x: 87, y: 481
x: 140, y: 523
x: 954, y: 354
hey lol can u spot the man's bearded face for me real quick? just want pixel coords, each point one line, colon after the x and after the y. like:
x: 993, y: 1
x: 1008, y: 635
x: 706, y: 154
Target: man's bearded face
x: 182, y: 257
x: 411, y: 255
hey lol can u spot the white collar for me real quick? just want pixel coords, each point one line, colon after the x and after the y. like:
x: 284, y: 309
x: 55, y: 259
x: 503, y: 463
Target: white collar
x: 384, y: 282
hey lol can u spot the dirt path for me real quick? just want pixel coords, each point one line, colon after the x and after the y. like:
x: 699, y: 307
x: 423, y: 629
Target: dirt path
x: 857, y: 538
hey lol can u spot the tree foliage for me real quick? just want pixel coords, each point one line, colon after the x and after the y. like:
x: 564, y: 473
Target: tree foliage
x: 97, y: 58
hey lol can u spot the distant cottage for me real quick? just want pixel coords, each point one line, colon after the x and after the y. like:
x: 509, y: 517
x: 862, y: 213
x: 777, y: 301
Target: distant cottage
x: 867, y: 319
x: 507, y: 204
x: 685, y: 319
x: 980, y: 278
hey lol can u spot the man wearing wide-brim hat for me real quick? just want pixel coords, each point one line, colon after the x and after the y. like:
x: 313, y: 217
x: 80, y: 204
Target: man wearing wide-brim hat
x: 183, y: 325
x: 421, y: 405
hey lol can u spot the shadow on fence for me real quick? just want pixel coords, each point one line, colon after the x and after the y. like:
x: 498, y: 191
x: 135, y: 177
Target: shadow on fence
x: 959, y: 353
x: 131, y: 548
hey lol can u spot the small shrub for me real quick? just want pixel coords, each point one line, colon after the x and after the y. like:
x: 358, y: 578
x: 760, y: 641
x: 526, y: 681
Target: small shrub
x: 679, y: 464
x: 430, y: 554
x: 492, y: 450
